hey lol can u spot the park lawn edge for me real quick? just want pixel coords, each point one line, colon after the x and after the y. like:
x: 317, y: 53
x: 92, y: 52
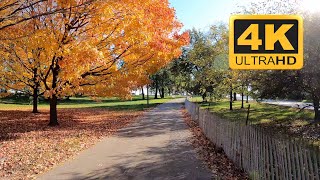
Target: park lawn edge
x: 287, y: 122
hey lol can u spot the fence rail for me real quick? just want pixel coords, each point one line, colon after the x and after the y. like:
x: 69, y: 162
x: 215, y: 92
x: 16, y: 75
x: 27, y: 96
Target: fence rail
x: 256, y: 151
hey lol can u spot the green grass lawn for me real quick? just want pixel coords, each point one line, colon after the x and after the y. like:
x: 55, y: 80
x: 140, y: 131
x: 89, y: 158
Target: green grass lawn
x: 23, y: 103
x: 281, y: 120
x: 260, y: 113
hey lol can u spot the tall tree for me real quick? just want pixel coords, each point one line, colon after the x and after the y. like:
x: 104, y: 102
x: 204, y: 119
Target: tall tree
x: 311, y: 71
x: 142, y: 92
x: 97, y: 47
x: 291, y: 84
x: 208, y: 54
x: 20, y: 66
x: 181, y: 74
x: 161, y: 81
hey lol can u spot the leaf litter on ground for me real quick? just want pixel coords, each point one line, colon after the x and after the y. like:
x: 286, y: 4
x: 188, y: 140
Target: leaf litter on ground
x: 214, y: 157
x: 28, y: 146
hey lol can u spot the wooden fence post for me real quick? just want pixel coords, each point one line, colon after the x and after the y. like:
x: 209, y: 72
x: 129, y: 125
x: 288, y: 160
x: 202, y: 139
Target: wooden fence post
x: 253, y: 149
x: 248, y: 115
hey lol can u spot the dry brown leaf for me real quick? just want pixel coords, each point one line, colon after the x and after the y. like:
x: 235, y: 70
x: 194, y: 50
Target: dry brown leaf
x: 29, y: 147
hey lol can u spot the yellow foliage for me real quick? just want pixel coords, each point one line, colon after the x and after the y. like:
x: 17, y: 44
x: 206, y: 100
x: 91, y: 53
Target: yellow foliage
x: 98, y: 48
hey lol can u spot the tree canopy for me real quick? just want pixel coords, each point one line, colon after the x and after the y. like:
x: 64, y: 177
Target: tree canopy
x: 92, y: 47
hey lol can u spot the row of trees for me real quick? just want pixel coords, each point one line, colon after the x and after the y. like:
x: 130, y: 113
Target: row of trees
x: 203, y: 68
x: 59, y: 48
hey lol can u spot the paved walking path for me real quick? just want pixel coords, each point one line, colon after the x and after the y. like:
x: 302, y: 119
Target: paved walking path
x: 156, y: 147
x: 290, y: 103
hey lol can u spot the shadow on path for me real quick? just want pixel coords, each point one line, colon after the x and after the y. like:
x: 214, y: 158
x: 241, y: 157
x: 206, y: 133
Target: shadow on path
x: 156, y: 147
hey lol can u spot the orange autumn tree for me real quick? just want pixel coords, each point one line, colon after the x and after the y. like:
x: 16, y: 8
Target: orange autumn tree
x: 101, y: 47
x: 20, y: 63
x: 13, y: 12
x: 21, y: 44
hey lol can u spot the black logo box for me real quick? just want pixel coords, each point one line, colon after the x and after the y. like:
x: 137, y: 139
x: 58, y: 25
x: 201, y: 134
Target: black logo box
x: 241, y: 25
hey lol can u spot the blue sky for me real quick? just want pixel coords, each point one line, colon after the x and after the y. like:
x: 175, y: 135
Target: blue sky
x: 202, y: 13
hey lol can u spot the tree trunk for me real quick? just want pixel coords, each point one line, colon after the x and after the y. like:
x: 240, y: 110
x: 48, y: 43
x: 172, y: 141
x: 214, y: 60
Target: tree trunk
x: 35, y: 101
x: 316, y: 109
x: 242, y: 100
x: 156, y: 93
x: 54, y: 99
x: 35, y: 91
x: 231, y: 98
x: 53, y: 111
x: 162, y: 92
x: 204, y: 95
x: 234, y: 96
x: 148, y: 94
x: 247, y: 101
x: 143, y: 98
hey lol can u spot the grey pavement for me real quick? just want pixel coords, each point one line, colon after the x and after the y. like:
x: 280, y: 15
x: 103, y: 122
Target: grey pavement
x: 156, y: 147
x: 289, y: 103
